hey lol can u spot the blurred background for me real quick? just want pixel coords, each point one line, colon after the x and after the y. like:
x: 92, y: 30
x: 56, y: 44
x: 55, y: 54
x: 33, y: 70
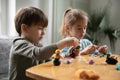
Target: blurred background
x: 103, y: 28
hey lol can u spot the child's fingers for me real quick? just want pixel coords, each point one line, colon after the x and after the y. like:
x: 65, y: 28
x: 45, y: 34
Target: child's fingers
x: 76, y: 42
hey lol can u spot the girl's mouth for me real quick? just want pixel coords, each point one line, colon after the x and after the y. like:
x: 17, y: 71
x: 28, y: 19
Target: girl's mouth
x: 40, y: 38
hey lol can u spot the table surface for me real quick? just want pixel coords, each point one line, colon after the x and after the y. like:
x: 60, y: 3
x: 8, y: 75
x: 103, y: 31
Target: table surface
x: 47, y: 71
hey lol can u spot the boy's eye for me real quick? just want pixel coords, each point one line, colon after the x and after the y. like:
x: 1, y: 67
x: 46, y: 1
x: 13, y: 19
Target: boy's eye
x: 40, y: 28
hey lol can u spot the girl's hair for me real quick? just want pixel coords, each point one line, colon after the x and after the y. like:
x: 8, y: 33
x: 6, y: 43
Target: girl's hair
x: 30, y: 16
x: 70, y: 17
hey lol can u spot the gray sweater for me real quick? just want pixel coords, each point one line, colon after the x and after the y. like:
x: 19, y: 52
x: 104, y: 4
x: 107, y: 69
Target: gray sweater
x: 24, y: 55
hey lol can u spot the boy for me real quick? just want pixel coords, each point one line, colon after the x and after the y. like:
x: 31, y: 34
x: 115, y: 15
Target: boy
x: 26, y: 50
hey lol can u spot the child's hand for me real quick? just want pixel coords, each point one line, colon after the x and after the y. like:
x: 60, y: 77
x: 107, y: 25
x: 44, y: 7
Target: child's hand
x: 103, y: 49
x: 73, y: 52
x: 89, y: 49
x: 69, y: 41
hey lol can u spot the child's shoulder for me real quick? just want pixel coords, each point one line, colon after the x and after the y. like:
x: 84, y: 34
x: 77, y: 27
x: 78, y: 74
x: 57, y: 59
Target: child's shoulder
x: 84, y: 40
x: 20, y: 40
x: 23, y: 41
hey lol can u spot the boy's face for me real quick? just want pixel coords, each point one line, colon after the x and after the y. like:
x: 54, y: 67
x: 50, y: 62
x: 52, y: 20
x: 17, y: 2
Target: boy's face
x: 78, y: 30
x: 35, y: 33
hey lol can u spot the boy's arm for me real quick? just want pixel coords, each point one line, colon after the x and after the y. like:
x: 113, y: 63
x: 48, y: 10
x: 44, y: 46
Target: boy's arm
x: 66, y: 42
x: 25, y: 48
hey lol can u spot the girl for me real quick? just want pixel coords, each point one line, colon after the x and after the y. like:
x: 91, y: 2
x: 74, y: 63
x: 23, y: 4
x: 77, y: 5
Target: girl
x: 74, y: 24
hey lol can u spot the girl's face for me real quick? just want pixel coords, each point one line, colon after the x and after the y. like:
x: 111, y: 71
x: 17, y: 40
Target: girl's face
x: 78, y: 30
x: 35, y: 33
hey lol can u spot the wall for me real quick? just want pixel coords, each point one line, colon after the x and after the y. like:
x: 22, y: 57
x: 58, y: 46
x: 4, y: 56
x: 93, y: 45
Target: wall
x: 89, y: 6
x: 113, y: 16
x: 3, y: 17
x: 115, y: 20
x: 59, y: 7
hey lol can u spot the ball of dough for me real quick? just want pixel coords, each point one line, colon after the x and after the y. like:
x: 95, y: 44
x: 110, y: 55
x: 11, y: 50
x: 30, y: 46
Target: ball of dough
x: 85, y: 74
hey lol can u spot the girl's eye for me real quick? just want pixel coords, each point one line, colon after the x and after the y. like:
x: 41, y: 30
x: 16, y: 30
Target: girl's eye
x: 84, y: 27
x: 79, y: 28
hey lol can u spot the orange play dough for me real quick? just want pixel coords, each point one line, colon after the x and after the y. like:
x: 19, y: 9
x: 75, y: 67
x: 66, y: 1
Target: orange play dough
x: 85, y: 74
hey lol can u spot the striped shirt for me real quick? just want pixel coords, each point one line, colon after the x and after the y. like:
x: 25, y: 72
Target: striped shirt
x: 83, y: 43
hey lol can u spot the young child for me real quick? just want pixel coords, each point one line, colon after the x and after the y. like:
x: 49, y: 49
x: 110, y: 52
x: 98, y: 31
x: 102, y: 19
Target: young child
x: 74, y: 24
x: 26, y: 50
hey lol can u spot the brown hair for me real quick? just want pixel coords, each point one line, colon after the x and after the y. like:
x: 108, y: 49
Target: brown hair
x: 30, y: 16
x: 70, y: 17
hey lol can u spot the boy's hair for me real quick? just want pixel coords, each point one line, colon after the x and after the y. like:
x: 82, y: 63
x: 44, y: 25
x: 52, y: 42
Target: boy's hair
x: 30, y: 16
x: 70, y: 17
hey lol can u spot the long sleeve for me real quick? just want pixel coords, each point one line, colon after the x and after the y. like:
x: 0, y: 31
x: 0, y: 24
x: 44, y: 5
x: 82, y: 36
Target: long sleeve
x: 27, y: 49
x: 83, y: 42
x: 24, y: 55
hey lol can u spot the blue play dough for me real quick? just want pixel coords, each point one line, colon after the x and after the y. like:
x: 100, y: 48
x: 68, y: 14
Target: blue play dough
x: 118, y: 67
x: 96, y: 52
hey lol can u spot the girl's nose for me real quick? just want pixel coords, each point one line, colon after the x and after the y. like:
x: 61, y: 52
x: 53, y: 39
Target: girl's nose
x: 82, y: 30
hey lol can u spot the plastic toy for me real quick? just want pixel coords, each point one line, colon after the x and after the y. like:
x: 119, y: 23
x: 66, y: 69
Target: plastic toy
x: 57, y: 58
x: 74, y: 51
x: 101, y: 55
x: 68, y: 61
x: 111, y: 59
x: 96, y: 52
x: 118, y: 67
x: 91, y: 61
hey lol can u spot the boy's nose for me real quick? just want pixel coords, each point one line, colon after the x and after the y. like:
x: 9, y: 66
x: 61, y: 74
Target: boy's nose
x: 42, y: 32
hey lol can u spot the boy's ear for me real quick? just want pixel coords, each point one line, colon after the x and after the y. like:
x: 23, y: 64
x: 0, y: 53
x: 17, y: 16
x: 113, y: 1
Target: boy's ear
x: 23, y: 28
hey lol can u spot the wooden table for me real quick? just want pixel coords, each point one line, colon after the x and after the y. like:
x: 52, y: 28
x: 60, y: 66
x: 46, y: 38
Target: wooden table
x: 47, y: 71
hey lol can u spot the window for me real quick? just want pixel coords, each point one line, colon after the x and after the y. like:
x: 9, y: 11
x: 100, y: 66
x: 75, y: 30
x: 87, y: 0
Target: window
x: 8, y: 9
x: 0, y: 17
x: 7, y: 12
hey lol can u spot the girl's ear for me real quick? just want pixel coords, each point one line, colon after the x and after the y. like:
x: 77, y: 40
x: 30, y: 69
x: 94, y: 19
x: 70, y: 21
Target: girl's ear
x: 23, y: 28
x: 67, y: 27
